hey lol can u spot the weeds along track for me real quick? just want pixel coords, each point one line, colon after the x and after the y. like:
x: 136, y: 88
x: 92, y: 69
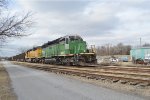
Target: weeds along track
x: 124, y: 75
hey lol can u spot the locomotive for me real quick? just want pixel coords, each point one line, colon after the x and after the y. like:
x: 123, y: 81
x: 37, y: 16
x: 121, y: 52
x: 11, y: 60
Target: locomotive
x: 67, y: 50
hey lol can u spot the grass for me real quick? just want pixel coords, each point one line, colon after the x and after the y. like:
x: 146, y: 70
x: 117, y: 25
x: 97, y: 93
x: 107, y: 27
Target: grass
x: 6, y: 92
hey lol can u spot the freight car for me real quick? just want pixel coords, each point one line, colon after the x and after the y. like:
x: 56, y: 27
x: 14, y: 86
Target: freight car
x: 67, y: 50
x: 19, y: 57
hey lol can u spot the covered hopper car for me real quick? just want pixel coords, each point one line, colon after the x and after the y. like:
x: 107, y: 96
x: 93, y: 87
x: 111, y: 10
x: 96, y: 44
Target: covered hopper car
x: 19, y: 57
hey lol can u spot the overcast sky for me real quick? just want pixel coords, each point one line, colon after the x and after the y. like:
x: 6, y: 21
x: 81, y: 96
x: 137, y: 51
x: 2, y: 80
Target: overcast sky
x: 97, y: 21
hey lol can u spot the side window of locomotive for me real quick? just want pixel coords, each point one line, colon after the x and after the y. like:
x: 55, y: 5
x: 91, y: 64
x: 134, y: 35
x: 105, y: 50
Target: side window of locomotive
x: 71, y: 38
x: 67, y: 40
x: 62, y: 41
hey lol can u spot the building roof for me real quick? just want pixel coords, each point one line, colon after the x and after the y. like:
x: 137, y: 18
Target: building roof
x: 140, y: 48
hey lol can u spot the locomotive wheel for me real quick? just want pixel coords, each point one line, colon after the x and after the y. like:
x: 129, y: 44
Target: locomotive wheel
x: 81, y: 63
x: 67, y: 62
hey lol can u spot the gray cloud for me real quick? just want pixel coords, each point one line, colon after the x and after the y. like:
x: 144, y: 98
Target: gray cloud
x: 60, y: 6
x: 97, y: 21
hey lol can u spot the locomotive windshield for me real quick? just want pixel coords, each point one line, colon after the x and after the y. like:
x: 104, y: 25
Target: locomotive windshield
x: 72, y: 38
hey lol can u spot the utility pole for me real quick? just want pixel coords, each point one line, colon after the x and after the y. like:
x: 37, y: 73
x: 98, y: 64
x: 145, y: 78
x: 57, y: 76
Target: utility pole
x: 140, y: 42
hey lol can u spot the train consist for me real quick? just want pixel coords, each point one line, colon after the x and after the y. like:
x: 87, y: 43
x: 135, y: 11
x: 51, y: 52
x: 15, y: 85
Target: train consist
x: 19, y: 57
x: 67, y: 50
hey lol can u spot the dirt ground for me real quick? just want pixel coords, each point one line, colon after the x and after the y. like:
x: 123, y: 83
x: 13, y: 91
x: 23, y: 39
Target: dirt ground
x: 6, y: 92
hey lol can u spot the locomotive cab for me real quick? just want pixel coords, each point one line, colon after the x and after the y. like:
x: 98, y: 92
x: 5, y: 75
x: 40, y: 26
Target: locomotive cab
x: 77, y: 48
x: 73, y: 44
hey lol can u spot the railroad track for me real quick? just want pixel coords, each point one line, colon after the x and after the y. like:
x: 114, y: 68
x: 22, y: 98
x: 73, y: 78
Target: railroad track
x: 131, y: 69
x: 124, y: 75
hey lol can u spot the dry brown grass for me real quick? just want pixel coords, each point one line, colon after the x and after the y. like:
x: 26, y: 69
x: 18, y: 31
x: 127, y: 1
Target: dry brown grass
x: 6, y: 92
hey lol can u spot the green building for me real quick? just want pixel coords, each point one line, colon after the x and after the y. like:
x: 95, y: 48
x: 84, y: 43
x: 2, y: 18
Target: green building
x: 143, y: 53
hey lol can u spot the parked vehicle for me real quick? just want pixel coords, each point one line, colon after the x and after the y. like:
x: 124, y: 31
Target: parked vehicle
x: 114, y: 60
x: 147, y: 59
x: 124, y: 59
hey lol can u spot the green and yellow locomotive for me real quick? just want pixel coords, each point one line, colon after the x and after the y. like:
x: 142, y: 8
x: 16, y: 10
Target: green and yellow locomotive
x: 67, y: 50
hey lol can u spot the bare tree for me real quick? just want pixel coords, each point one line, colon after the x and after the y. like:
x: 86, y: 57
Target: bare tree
x: 119, y: 49
x: 146, y: 45
x: 13, y: 26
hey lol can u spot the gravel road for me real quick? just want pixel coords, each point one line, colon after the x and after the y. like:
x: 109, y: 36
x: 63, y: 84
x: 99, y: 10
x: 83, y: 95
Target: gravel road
x: 32, y: 84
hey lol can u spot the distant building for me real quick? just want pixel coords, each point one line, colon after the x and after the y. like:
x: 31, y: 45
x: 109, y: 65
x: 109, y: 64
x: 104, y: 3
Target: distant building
x: 142, y: 53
